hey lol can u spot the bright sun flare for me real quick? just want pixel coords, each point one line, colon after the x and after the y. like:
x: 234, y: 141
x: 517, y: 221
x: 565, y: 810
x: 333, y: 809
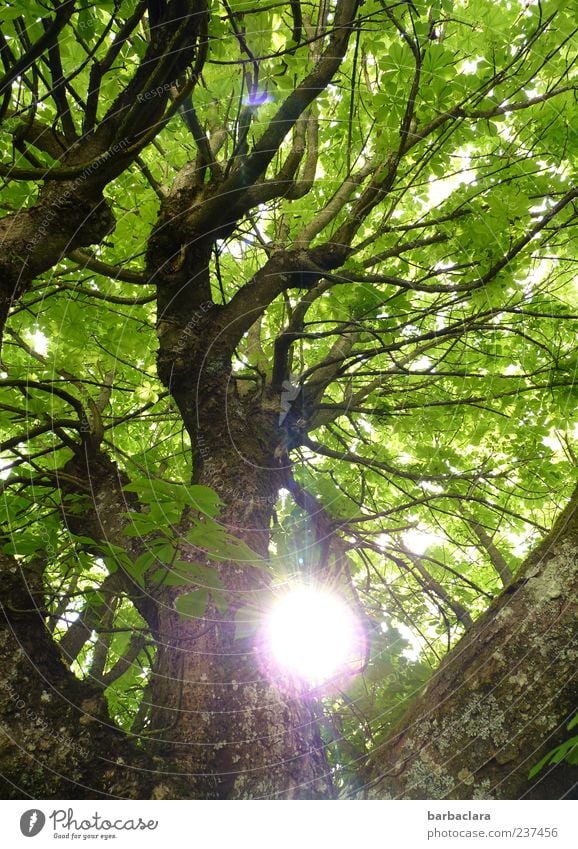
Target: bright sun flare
x: 312, y: 636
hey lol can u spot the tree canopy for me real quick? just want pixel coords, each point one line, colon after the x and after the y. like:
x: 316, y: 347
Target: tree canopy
x: 329, y: 245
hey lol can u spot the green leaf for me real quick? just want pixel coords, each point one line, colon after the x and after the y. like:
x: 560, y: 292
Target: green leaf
x: 138, y: 568
x: 192, y: 605
x: 183, y: 573
x: 25, y: 545
x: 95, y: 598
x: 221, y: 545
x: 163, y: 551
x: 154, y: 492
x: 221, y: 600
x: 246, y: 622
x: 204, y: 499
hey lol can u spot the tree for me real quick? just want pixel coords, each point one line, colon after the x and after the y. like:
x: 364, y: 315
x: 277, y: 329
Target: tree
x: 287, y: 295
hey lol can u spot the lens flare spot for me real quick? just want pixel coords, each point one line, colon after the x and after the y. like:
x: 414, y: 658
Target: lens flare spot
x: 311, y: 638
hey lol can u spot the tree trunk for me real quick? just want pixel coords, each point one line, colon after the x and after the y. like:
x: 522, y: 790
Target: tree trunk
x: 214, y: 713
x: 56, y: 740
x: 499, y: 701
x: 501, y: 698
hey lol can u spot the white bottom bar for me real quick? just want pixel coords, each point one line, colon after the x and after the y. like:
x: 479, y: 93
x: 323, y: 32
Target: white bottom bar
x: 295, y: 825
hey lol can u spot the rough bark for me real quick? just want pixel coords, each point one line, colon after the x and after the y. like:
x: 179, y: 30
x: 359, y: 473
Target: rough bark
x: 66, y: 216
x: 56, y: 740
x: 214, y: 711
x: 501, y: 699
x: 498, y: 703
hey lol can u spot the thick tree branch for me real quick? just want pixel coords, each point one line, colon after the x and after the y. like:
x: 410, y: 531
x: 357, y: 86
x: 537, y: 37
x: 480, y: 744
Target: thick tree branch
x: 467, y: 735
x: 489, y: 546
x: 115, y: 272
x: 206, y: 216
